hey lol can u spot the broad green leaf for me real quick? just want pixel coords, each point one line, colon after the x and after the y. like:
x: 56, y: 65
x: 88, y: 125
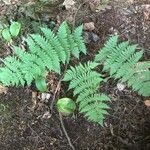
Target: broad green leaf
x: 66, y: 106
x: 41, y: 84
x: 6, y: 34
x: 15, y: 28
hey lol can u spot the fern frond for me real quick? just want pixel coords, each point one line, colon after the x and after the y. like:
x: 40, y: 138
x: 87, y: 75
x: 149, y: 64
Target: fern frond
x: 91, y: 98
x: 108, y: 47
x: 49, y: 51
x: 77, y: 71
x: 36, y: 50
x: 85, y: 84
x: 54, y: 42
x: 63, y: 39
x: 122, y: 61
x: 77, y: 35
x: 11, y: 73
x: 45, y: 52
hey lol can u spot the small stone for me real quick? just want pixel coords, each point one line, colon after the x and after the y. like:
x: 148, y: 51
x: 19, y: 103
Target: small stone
x: 69, y: 4
x: 45, y: 96
x: 120, y: 86
x: 89, y: 26
x: 87, y: 37
x: 90, y: 37
x: 46, y: 115
x: 95, y: 37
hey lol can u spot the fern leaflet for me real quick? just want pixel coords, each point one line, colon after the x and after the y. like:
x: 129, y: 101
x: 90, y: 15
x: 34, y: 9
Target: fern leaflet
x: 85, y: 84
x: 122, y: 60
x: 45, y: 53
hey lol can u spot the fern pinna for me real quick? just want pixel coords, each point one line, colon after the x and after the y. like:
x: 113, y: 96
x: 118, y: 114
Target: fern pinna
x: 85, y: 84
x: 45, y: 53
x: 122, y: 60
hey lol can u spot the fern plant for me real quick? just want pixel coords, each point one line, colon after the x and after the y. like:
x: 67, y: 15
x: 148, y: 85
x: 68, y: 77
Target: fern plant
x: 85, y: 84
x: 45, y: 53
x: 123, y: 62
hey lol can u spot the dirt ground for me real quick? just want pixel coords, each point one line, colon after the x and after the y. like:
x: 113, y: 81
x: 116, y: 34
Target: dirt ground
x: 127, y: 127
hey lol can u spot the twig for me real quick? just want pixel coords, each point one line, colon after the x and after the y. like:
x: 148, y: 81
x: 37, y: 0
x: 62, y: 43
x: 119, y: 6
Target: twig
x: 54, y: 96
x: 38, y: 136
x: 66, y: 134
x: 56, y: 90
x: 74, y: 18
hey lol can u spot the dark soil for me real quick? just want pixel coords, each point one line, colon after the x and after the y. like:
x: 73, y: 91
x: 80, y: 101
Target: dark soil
x: 128, y: 125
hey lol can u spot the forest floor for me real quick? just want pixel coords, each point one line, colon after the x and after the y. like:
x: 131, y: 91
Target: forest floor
x: 26, y: 124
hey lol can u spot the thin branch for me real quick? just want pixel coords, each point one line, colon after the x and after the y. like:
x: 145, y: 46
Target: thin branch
x: 65, y: 132
x: 38, y: 136
x: 57, y: 88
x: 74, y: 18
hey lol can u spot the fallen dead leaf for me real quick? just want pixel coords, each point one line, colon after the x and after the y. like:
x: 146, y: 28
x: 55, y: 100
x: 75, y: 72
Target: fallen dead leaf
x: 3, y: 89
x: 52, y: 141
x: 147, y: 15
x: 46, y: 115
x: 7, y: 2
x: 89, y: 26
x: 130, y: 1
x: 68, y: 4
x: 45, y: 96
x: 147, y: 103
x: 34, y: 100
x: 97, y: 5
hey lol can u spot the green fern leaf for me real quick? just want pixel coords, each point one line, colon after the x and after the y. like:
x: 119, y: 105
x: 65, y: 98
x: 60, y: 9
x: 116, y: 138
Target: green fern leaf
x: 54, y: 42
x: 79, y: 40
x: 44, y: 53
x: 62, y: 37
x: 109, y: 46
x: 85, y: 83
x: 122, y: 61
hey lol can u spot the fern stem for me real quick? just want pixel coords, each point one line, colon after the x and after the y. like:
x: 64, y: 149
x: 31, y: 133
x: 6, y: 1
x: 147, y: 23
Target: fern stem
x: 57, y: 88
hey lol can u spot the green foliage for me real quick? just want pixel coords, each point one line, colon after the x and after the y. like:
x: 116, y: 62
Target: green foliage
x: 12, y: 31
x: 66, y: 106
x: 15, y: 28
x: 85, y: 84
x: 123, y: 62
x: 45, y: 53
x: 6, y: 34
x: 41, y: 84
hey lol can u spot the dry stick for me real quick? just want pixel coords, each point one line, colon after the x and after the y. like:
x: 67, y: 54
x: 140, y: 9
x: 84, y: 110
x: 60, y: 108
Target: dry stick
x: 66, y: 134
x: 38, y: 136
x: 74, y: 18
x: 60, y: 116
x: 54, y: 96
x: 56, y: 90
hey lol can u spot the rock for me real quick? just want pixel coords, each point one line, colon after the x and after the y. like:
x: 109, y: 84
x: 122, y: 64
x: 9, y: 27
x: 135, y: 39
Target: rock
x: 95, y: 37
x: 87, y: 38
x: 90, y: 37
x: 89, y: 26
x: 120, y: 86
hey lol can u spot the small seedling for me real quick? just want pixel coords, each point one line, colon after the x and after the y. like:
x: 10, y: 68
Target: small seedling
x: 15, y: 28
x: 6, y: 34
x: 11, y: 32
x: 66, y: 106
x: 41, y: 84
